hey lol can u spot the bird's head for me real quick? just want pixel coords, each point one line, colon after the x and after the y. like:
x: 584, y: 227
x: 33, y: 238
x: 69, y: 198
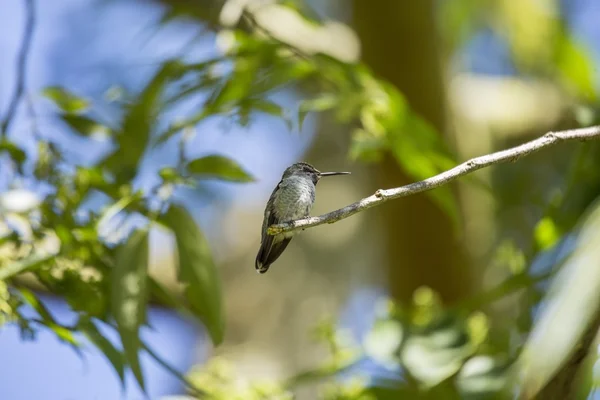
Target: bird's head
x: 308, y: 171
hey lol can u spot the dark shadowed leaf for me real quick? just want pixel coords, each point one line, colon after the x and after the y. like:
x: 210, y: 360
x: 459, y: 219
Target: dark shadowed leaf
x: 197, y: 271
x: 114, y: 356
x: 83, y: 126
x: 129, y: 296
x: 65, y: 100
x: 218, y: 167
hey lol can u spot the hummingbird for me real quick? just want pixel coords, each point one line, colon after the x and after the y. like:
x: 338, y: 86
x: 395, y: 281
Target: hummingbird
x: 292, y: 198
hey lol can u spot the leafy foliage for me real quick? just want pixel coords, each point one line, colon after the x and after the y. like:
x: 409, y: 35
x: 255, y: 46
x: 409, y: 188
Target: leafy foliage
x: 102, y: 272
x: 197, y: 271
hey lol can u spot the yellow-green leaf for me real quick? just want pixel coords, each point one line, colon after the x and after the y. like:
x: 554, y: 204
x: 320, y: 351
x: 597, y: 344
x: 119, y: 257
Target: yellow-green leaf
x: 83, y: 126
x: 546, y: 233
x: 65, y: 100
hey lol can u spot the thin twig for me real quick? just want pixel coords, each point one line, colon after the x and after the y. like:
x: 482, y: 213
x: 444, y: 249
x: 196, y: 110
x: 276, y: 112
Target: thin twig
x: 21, y: 70
x: 472, y: 165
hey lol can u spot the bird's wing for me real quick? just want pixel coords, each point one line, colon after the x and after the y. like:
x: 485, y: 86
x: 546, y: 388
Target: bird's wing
x: 269, y: 250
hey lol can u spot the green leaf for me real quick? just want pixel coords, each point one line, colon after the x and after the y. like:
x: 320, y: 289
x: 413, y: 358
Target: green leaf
x: 267, y: 107
x: 61, y: 332
x: 576, y: 66
x: 16, y: 154
x: 65, y: 100
x: 236, y: 88
x: 138, y: 123
x: 114, y: 356
x: 546, y: 233
x: 129, y: 296
x: 419, y: 149
x: 319, y: 104
x: 567, y: 323
x: 219, y: 167
x: 24, y: 265
x: 31, y: 299
x: 197, y: 271
x: 83, y: 126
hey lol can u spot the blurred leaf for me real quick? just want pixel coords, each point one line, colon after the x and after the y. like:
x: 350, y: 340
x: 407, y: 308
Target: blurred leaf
x: 319, y: 104
x: 483, y: 377
x: 367, y: 147
x: 197, y: 271
x: 237, y: 87
x: 129, y: 296
x: 268, y: 107
x: 114, y: 356
x: 219, y: 167
x: 570, y: 315
x: 138, y: 123
x: 383, y: 341
x: 26, y: 264
x: 576, y: 65
x: 65, y: 100
x: 459, y: 19
x: 48, y: 320
x: 419, y: 149
x: 546, y: 233
x: 83, y: 126
x: 31, y: 299
x: 16, y: 154
x: 435, y: 353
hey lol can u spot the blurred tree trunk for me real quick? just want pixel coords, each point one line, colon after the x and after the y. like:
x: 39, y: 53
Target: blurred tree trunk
x: 399, y: 42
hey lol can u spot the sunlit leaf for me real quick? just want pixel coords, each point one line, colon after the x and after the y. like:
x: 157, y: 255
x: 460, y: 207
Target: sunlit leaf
x: 383, y: 341
x: 576, y: 66
x: 65, y: 100
x: 437, y: 352
x: 24, y: 265
x: 83, y: 126
x: 129, y: 296
x: 218, y: 167
x: 197, y: 271
x: 483, y: 377
x: 546, y: 233
x: 114, y: 356
x: 569, y: 316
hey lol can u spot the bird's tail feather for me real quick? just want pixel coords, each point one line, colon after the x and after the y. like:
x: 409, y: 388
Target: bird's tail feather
x: 268, y: 253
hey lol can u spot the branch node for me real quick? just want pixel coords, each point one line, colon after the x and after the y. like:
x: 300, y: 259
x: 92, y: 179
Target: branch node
x: 379, y: 194
x: 552, y: 135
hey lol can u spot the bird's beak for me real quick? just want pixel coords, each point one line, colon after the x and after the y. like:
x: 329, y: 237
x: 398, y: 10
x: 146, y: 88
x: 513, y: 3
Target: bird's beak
x: 333, y: 173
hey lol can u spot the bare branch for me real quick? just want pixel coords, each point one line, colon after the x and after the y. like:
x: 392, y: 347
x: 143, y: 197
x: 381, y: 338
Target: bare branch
x: 21, y: 70
x: 472, y: 165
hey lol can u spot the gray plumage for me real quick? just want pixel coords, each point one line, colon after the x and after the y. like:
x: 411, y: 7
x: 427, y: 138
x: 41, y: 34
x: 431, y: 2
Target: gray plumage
x: 292, y: 198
